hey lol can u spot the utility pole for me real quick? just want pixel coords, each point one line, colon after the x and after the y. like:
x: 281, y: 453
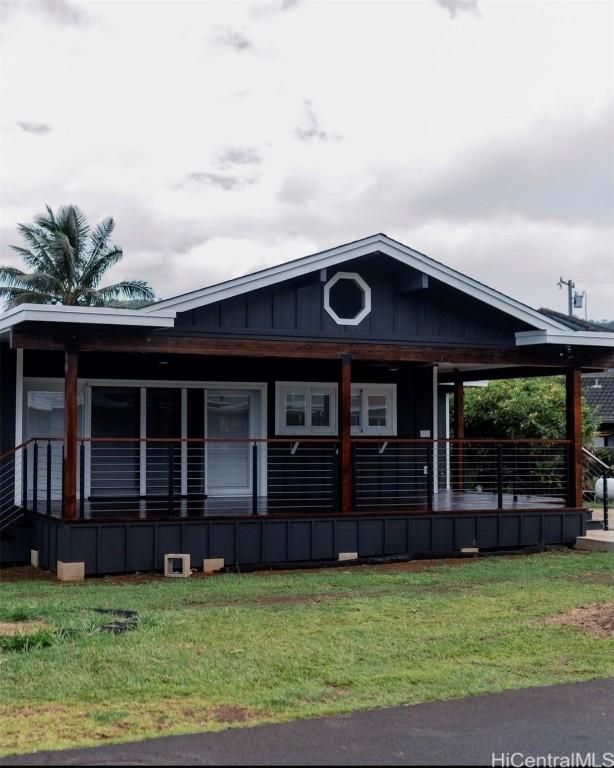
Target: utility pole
x: 570, y: 286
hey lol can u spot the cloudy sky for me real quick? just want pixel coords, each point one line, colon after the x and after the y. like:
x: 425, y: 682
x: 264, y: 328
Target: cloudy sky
x: 227, y: 136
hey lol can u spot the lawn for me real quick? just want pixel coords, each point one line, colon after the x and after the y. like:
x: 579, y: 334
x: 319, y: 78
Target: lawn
x: 231, y: 650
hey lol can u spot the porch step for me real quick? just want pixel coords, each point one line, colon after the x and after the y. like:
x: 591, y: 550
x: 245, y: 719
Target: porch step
x: 594, y: 525
x: 596, y: 541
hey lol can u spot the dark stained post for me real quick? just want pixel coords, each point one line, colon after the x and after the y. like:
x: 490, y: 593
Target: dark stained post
x: 459, y: 430
x: 69, y: 488
x: 345, y: 432
x: 573, y: 386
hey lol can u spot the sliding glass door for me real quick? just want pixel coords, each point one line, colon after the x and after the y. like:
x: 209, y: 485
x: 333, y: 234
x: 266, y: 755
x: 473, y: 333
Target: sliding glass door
x: 229, y: 415
x: 159, y: 431
x: 115, y: 465
x: 163, y: 457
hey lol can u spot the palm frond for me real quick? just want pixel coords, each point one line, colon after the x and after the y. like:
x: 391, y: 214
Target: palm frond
x: 100, y: 237
x: 39, y: 258
x: 15, y: 296
x: 13, y: 277
x: 95, y: 268
x: 128, y: 289
x: 46, y: 220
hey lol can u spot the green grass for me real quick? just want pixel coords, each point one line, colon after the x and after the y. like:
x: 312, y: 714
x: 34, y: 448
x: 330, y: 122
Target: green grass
x: 238, y: 649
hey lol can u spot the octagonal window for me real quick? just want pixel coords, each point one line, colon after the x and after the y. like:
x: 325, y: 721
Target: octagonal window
x: 347, y: 298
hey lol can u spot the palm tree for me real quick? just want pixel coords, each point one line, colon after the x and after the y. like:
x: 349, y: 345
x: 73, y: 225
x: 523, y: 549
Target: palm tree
x: 67, y: 260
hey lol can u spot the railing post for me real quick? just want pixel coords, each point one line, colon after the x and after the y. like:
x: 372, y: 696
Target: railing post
x: 255, y: 479
x: 569, y: 471
x: 499, y: 476
x: 48, y: 477
x: 24, y: 477
x: 81, y: 479
x: 345, y: 432
x: 354, y: 465
x: 515, y: 473
x: 35, y: 477
x: 69, y: 480
x: 171, y: 479
x: 606, y: 501
x: 62, y: 472
x: 429, y: 477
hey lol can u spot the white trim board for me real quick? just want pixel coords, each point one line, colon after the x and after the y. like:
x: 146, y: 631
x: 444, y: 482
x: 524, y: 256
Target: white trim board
x: 342, y: 253
x: 575, y: 338
x: 59, y: 313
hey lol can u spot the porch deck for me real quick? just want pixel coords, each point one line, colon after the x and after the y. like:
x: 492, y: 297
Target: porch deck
x: 163, y: 508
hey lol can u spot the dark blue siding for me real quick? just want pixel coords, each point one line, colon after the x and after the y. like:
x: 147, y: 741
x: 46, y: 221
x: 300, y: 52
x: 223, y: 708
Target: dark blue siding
x: 294, y: 309
x: 132, y: 546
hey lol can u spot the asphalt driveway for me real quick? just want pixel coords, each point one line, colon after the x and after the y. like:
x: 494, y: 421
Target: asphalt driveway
x: 559, y: 720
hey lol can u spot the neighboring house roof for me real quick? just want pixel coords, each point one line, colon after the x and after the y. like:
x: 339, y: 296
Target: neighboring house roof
x: 599, y: 392
x: 575, y: 323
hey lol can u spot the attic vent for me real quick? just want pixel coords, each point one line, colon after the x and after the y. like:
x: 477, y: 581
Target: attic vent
x: 347, y: 298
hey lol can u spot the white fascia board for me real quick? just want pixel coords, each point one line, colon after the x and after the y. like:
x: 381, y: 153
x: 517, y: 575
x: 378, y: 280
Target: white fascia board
x: 343, y: 253
x: 568, y: 337
x: 58, y: 313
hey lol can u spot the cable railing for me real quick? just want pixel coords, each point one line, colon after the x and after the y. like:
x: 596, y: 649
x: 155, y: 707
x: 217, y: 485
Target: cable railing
x: 595, y: 476
x: 446, y: 475
x: 192, y: 477
x: 207, y: 476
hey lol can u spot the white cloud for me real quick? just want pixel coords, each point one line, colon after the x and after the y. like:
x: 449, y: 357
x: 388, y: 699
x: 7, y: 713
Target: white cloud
x: 226, y: 136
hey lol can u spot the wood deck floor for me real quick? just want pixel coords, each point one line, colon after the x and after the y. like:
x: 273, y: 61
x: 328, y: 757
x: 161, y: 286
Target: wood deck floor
x: 160, y: 508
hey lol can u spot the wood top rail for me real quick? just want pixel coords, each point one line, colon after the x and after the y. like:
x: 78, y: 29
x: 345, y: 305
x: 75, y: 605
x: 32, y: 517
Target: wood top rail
x: 462, y: 441
x: 25, y: 444
x: 302, y: 439
x: 199, y: 440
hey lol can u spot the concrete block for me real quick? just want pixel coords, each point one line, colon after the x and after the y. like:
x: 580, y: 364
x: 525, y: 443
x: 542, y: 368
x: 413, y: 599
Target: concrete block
x: 344, y: 556
x: 470, y: 550
x: 596, y: 541
x: 213, y: 564
x: 34, y: 558
x: 70, y: 571
x: 177, y: 566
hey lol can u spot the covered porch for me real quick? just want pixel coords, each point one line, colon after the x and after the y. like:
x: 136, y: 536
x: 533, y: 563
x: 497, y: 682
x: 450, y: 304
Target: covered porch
x: 287, y: 428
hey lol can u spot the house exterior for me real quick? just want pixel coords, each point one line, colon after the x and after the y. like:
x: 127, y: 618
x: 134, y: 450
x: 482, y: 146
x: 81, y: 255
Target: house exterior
x: 599, y: 393
x: 283, y: 418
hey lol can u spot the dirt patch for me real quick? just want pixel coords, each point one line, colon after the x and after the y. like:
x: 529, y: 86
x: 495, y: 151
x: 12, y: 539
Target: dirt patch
x: 593, y: 578
x: 25, y: 573
x: 233, y: 714
x: 12, y: 628
x: 281, y: 600
x: 595, y: 619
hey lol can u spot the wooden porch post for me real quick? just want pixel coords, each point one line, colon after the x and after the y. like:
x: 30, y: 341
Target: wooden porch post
x: 345, y: 432
x: 459, y: 431
x: 69, y: 486
x: 573, y: 387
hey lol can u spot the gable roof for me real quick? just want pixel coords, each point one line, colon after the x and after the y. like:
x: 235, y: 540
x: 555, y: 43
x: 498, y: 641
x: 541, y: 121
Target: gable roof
x: 334, y: 256
x: 599, y: 391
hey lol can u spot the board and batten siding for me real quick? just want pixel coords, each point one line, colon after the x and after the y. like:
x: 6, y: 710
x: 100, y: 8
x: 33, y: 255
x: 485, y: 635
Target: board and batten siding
x: 400, y: 312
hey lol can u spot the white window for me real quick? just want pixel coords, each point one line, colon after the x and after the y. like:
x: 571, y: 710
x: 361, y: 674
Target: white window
x: 306, y: 409
x: 374, y: 409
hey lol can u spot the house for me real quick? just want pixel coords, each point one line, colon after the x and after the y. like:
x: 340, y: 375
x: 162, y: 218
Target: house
x: 599, y: 392
x: 285, y: 417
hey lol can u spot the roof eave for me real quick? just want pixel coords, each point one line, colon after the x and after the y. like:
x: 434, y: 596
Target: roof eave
x: 567, y: 337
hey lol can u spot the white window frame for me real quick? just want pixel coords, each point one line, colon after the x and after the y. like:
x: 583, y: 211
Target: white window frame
x: 307, y: 388
x: 390, y: 393
x: 366, y: 292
